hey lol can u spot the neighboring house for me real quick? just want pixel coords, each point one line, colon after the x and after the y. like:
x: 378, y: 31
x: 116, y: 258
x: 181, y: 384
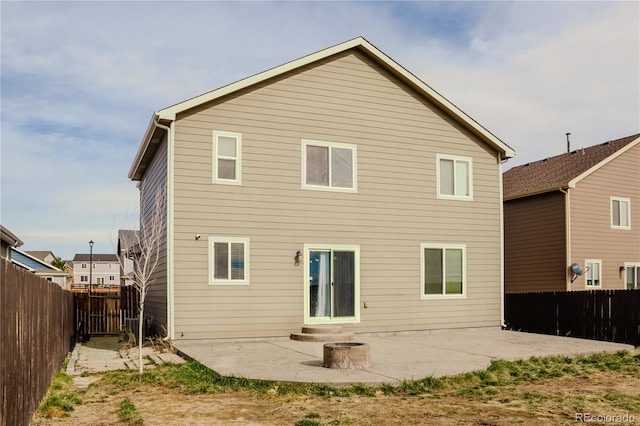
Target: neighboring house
x: 580, y: 207
x: 128, y: 241
x: 334, y: 189
x: 105, y: 272
x: 7, y: 241
x: 45, y: 255
x: 39, y: 267
x: 48, y: 257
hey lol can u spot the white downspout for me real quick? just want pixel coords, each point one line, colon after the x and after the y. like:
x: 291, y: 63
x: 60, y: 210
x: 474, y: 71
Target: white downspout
x: 170, y: 289
x: 500, y: 161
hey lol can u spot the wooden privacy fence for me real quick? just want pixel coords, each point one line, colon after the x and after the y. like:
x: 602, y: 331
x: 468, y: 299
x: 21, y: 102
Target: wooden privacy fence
x: 612, y: 315
x: 105, y: 313
x: 37, y: 328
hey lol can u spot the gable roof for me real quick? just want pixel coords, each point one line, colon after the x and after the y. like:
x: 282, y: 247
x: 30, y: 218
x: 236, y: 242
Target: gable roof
x: 31, y: 263
x: 128, y: 242
x: 563, y: 171
x: 82, y: 257
x: 40, y: 254
x: 128, y: 238
x: 167, y: 115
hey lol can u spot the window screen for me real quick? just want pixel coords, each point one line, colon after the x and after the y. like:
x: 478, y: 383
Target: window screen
x: 455, y: 176
x: 446, y: 177
x: 432, y: 271
x: 317, y: 165
x: 342, y: 167
x: 329, y: 165
x: 221, y: 261
x: 443, y: 270
x: 227, y: 162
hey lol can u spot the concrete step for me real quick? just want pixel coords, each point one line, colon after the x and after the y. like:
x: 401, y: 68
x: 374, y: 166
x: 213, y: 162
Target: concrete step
x: 156, y: 359
x: 322, y: 329
x: 319, y: 337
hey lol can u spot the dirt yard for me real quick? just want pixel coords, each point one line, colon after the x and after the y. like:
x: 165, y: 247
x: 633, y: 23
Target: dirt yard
x: 544, y: 402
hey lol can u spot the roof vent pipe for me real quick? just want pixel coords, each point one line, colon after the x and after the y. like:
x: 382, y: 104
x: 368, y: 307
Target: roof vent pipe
x: 568, y: 143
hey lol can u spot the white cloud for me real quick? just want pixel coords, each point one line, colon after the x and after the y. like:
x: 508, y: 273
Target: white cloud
x: 581, y: 77
x: 81, y: 79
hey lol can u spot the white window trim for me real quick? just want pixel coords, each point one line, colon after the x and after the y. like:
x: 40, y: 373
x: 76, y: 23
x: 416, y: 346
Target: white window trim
x: 237, y: 158
x: 354, y: 171
x: 626, y: 200
x: 630, y: 265
x: 586, y: 263
x: 454, y: 158
x: 229, y: 281
x: 308, y: 319
x: 443, y: 296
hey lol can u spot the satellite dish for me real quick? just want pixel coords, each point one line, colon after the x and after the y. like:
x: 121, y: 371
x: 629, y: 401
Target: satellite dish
x: 576, y: 269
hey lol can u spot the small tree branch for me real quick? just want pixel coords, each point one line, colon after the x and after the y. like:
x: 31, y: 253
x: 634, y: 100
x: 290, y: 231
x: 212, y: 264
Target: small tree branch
x: 145, y: 255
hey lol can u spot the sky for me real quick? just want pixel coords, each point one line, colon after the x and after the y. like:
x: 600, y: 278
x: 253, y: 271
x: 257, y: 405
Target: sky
x: 80, y: 81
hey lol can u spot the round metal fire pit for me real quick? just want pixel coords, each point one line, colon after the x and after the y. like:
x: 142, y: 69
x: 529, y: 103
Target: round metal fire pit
x: 347, y: 355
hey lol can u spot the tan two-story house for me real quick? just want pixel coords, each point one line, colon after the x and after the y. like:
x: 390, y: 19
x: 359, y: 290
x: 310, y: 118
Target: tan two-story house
x: 581, y: 208
x: 335, y: 189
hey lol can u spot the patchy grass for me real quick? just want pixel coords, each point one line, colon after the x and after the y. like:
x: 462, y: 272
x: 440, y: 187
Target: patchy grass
x: 543, y: 390
x: 194, y: 378
x: 60, y: 398
x: 128, y: 413
x: 309, y: 420
x: 624, y: 402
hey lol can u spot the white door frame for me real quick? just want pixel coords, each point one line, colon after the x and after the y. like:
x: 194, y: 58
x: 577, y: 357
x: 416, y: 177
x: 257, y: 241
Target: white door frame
x: 308, y: 319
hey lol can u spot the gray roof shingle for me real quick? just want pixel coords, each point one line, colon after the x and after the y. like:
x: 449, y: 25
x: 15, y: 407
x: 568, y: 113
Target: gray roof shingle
x: 84, y: 257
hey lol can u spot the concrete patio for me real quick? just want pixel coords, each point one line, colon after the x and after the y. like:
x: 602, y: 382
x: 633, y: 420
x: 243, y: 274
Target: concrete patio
x: 394, y: 358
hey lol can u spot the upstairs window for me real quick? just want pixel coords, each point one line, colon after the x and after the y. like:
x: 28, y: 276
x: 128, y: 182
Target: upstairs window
x: 455, y: 177
x: 620, y: 213
x: 227, y: 158
x: 228, y: 260
x: 328, y: 166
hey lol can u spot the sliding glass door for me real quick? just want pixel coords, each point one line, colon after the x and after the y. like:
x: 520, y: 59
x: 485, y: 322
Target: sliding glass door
x: 332, y: 284
x: 320, y: 284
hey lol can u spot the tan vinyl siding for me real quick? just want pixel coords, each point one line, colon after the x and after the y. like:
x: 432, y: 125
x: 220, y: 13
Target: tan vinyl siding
x: 591, y: 233
x: 534, y: 243
x: 154, y: 181
x: 346, y: 100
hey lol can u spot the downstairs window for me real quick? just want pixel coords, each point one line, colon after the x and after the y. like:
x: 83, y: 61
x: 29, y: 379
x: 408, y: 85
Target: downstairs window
x: 228, y: 261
